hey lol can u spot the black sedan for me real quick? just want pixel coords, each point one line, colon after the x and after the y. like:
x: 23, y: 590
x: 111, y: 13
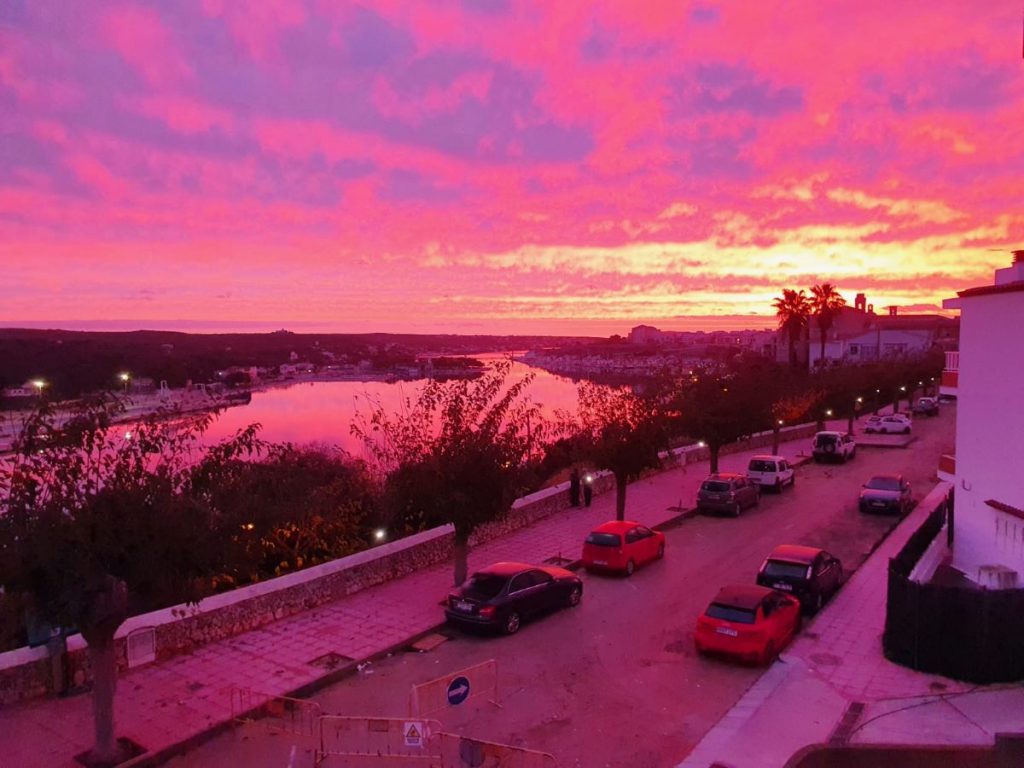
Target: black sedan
x: 886, y: 493
x: 809, y: 574
x: 504, y: 594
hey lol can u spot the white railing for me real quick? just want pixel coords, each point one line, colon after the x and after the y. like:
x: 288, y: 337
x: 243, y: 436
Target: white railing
x: 952, y: 361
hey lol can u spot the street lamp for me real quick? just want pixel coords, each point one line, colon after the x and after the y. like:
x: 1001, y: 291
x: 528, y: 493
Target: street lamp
x: 38, y: 384
x: 124, y: 377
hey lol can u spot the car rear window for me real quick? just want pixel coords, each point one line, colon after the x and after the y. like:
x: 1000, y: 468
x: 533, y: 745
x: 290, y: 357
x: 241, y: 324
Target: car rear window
x: 826, y: 439
x: 730, y: 613
x: 716, y: 486
x: 760, y: 465
x: 785, y: 570
x: 604, y: 539
x: 484, y: 586
x: 883, y: 484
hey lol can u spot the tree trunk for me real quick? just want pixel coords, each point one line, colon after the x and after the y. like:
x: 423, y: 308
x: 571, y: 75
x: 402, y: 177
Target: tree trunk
x: 775, y: 440
x: 461, y: 555
x: 821, y: 358
x: 792, y: 352
x: 620, y: 497
x: 106, y: 613
x: 104, y: 672
x: 849, y: 423
x: 713, y: 453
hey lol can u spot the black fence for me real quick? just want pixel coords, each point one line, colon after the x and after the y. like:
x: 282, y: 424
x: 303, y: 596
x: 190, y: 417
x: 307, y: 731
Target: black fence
x: 968, y: 634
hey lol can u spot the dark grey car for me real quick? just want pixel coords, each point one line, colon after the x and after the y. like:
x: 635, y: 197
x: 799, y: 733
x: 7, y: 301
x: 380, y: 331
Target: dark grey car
x: 886, y: 493
x: 727, y: 492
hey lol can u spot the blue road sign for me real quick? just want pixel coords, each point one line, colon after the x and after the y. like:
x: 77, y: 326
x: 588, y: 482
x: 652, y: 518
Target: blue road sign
x: 458, y: 690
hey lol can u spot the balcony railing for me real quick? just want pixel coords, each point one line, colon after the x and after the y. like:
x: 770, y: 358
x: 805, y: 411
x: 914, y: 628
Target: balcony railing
x: 952, y: 361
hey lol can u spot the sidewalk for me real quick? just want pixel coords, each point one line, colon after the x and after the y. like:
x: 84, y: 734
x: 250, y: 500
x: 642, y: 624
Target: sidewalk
x: 837, y: 662
x: 166, y: 705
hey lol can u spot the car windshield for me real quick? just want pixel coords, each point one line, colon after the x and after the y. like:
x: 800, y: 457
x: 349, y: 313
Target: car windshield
x: 782, y: 569
x: 604, y: 539
x: 883, y: 484
x: 715, y: 486
x: 760, y: 465
x: 484, y: 586
x: 730, y: 613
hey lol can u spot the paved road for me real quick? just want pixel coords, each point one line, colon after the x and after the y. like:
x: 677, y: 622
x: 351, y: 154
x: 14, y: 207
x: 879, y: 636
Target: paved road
x: 615, y: 682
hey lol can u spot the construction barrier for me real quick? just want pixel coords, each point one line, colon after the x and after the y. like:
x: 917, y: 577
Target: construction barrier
x: 462, y: 752
x: 455, y: 689
x: 277, y: 714
x: 370, y: 741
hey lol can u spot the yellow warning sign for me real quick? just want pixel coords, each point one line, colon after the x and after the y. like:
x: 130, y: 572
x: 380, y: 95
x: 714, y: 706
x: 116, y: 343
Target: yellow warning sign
x: 413, y: 733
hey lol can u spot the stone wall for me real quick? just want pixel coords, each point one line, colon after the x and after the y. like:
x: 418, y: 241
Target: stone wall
x: 26, y: 672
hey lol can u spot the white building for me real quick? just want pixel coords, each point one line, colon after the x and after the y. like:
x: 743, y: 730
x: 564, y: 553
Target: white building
x: 988, y: 380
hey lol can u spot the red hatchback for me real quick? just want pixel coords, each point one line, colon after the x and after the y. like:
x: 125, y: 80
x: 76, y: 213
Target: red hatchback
x: 748, y: 622
x: 622, y: 545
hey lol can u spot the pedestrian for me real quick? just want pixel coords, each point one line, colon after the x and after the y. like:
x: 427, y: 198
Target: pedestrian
x: 574, y: 487
x: 588, y: 490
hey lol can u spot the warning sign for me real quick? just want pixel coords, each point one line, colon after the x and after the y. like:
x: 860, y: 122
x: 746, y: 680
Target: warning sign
x: 413, y: 733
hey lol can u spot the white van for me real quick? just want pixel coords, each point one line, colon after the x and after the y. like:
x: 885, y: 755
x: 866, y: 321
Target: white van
x: 771, y: 472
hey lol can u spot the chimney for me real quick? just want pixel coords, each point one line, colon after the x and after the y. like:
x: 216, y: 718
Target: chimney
x: 892, y: 310
x: 860, y: 303
x: 1013, y: 273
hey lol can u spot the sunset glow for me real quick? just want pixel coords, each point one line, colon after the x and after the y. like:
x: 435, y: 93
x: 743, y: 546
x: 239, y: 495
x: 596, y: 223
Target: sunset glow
x: 494, y: 166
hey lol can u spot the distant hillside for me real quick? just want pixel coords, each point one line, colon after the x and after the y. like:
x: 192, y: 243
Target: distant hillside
x: 74, y: 362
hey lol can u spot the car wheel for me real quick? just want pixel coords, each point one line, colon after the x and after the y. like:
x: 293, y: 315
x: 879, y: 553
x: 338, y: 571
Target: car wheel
x: 575, y: 594
x: 818, y: 602
x: 792, y: 481
x: 736, y: 509
x: 769, y: 653
x: 630, y: 567
x: 512, y: 623
x: 661, y: 551
x: 906, y: 430
x: 778, y: 485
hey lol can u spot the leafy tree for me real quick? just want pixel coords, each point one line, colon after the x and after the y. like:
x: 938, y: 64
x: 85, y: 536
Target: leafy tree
x: 455, y: 454
x: 96, y: 522
x: 619, y: 431
x: 297, y: 507
x: 825, y: 302
x: 792, y: 309
x: 720, y: 407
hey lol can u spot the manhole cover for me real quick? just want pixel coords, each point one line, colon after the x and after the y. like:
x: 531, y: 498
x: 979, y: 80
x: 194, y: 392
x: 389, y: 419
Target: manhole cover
x: 195, y: 686
x: 330, y: 660
x: 429, y: 643
x: 678, y: 646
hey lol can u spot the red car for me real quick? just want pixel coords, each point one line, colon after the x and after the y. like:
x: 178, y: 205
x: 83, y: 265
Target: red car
x: 748, y: 622
x: 622, y: 545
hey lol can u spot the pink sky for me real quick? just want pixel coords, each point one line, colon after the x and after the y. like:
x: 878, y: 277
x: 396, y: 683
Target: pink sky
x: 494, y: 166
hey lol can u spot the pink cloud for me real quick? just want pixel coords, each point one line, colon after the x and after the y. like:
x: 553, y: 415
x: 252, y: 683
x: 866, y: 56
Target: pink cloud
x: 186, y: 115
x: 141, y: 39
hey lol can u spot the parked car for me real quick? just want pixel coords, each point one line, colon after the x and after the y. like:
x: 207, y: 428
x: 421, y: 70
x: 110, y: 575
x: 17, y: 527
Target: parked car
x: 895, y: 423
x: 748, y: 622
x: 770, y: 471
x: 809, y: 574
x: 502, y: 595
x: 927, y: 406
x: 833, y: 446
x: 886, y: 493
x: 727, y: 492
x: 622, y: 545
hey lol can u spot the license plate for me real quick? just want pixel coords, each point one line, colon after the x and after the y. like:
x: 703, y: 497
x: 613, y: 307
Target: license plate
x: 783, y: 586
x: 726, y: 631
x: 877, y: 503
x: 462, y: 605
x: 600, y: 562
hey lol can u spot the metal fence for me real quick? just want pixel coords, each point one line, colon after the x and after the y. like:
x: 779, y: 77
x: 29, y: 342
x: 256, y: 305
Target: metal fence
x: 454, y: 689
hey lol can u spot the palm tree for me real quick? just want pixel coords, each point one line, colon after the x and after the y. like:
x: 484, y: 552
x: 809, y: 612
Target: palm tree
x: 825, y: 302
x: 792, y: 309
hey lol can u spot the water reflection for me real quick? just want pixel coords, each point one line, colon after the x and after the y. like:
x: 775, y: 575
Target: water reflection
x: 321, y: 411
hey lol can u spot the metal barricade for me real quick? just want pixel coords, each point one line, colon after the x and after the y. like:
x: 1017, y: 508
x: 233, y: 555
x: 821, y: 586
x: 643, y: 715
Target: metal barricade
x: 277, y: 714
x: 373, y: 741
x: 455, y: 689
x: 462, y: 752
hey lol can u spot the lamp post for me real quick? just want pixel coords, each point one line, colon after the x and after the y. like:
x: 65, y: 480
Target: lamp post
x: 775, y: 436
x: 39, y: 384
x: 125, y: 378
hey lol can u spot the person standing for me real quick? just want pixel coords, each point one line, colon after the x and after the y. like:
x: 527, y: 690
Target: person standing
x: 574, y: 487
x: 588, y: 490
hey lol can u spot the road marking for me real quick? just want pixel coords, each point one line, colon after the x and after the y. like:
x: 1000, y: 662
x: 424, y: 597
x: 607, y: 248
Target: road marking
x: 291, y: 757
